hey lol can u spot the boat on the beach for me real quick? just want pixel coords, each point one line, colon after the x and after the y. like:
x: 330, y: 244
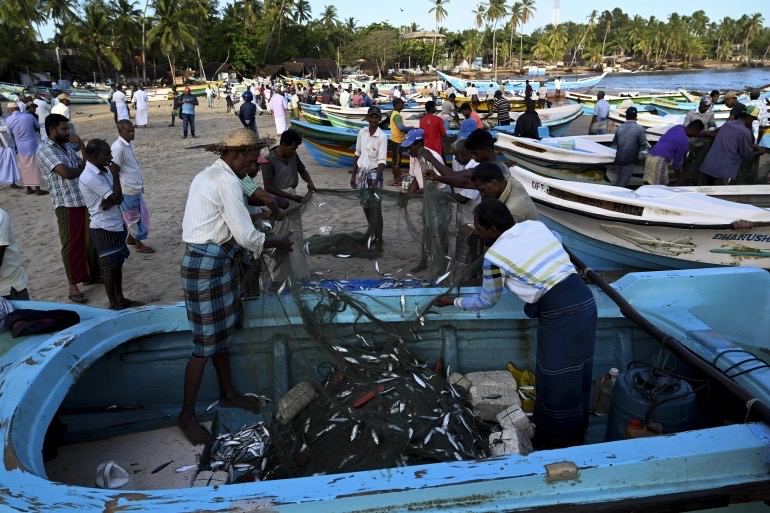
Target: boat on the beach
x: 557, y: 119
x: 87, y: 97
x: 118, y: 374
x: 461, y: 84
x: 654, y: 227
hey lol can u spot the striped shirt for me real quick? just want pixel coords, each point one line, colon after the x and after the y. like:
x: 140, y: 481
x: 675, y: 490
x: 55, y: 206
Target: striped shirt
x: 65, y: 192
x: 527, y: 259
x: 502, y: 108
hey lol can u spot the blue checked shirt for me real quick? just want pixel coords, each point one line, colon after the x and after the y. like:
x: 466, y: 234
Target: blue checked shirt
x: 65, y: 192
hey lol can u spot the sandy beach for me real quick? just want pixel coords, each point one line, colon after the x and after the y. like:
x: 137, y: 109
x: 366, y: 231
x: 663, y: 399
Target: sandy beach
x: 169, y: 166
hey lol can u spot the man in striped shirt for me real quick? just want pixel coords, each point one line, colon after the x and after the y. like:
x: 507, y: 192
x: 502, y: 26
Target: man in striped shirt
x: 502, y: 108
x: 530, y: 261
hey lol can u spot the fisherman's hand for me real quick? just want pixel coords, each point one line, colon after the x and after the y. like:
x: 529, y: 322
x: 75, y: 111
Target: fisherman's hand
x: 75, y: 139
x: 296, y: 197
x: 443, y: 301
x: 311, y: 187
x: 353, y: 181
x: 306, y: 197
x: 430, y: 174
x: 284, y: 245
x: 114, y: 168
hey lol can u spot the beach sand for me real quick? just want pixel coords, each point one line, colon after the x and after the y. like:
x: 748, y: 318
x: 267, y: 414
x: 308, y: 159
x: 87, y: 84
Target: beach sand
x: 169, y: 167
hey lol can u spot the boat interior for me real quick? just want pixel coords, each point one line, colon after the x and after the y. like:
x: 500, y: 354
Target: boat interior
x: 124, y: 395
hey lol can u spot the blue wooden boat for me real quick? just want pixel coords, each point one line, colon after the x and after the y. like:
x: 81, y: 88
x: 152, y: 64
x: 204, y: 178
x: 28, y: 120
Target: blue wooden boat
x: 461, y: 84
x: 310, y: 107
x: 137, y: 357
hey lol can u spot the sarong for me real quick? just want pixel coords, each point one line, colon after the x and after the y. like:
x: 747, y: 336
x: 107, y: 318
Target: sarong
x: 141, y: 117
x: 211, y: 295
x: 280, y: 124
x: 599, y: 127
x: 81, y: 262
x: 655, y: 170
x: 136, y: 215
x: 566, y: 334
x: 122, y: 111
x: 111, y: 248
x: 30, y: 173
x: 9, y: 169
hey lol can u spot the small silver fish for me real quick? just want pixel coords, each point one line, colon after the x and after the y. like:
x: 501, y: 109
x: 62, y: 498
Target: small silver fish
x: 342, y: 256
x: 340, y: 349
x: 377, y: 267
x: 403, y: 305
x: 445, y: 422
x: 442, y: 277
x: 350, y: 359
x: 354, y: 433
x: 319, y: 273
x: 369, y: 242
x: 185, y: 468
x: 369, y: 358
x: 410, y: 433
x: 375, y: 438
x: 302, y: 449
x: 347, y: 459
x: 419, y: 381
x: 307, y: 424
x: 384, y: 380
x: 283, y: 286
x: 401, y: 406
x: 307, y: 248
x: 452, y: 441
x: 344, y: 394
x: 394, y: 408
x: 264, y: 464
x: 388, y: 390
x: 457, y: 456
x: 212, y: 405
x: 362, y: 339
x: 427, y: 437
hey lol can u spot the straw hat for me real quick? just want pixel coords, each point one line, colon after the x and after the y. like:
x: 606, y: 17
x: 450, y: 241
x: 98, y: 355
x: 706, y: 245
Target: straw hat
x: 63, y: 96
x: 240, y: 139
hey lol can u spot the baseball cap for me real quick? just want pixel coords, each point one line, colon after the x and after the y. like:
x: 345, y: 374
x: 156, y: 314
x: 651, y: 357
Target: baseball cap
x: 373, y: 110
x: 418, y: 134
x: 466, y: 128
x: 631, y: 112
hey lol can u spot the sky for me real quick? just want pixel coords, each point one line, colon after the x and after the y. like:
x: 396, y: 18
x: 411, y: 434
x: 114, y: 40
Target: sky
x: 404, y: 12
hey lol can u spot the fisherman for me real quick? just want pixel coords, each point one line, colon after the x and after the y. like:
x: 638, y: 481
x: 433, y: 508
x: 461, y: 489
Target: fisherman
x: 542, y: 96
x: 599, y: 121
x: 433, y: 128
x: 669, y: 152
x: 139, y: 100
x: 469, y: 113
x: 229, y: 100
x: 733, y: 145
x: 345, y: 97
x: 527, y: 90
x: 280, y: 109
x: 557, y: 86
x: 714, y: 95
x: 13, y: 277
x: 210, y: 95
x: 248, y: 112
x: 502, y: 108
x: 188, y: 102
x: 736, y: 107
x: 100, y: 186
x: 24, y: 129
x: 9, y: 170
x: 121, y: 106
x: 449, y: 112
x: 528, y: 123
x: 528, y: 259
x: 61, y: 168
x: 43, y: 110
x: 136, y: 213
x: 630, y: 138
x: 175, y: 104
x: 481, y: 144
x: 703, y: 112
x: 761, y: 121
x: 368, y: 167
x: 398, y: 132
x: 216, y: 222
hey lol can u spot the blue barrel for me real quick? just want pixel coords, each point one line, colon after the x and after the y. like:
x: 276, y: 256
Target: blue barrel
x: 668, y: 400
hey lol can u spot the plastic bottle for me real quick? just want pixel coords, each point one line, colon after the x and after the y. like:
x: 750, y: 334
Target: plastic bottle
x: 604, y: 391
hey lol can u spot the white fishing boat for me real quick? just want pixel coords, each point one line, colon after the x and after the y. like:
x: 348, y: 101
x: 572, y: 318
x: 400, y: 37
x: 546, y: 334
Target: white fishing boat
x: 556, y: 118
x: 655, y: 227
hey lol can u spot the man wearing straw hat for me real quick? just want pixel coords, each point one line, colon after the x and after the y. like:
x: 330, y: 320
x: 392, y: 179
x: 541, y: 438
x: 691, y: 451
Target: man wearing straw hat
x: 215, y: 226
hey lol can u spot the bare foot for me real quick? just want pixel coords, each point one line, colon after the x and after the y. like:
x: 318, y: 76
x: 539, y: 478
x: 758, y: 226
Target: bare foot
x: 242, y: 402
x: 193, y: 431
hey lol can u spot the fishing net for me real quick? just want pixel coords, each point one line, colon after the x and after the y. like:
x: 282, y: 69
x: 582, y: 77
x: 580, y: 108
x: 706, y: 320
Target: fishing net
x: 376, y: 405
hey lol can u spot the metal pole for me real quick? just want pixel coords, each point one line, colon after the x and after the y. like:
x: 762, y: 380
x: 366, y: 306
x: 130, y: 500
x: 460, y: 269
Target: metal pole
x: 521, y: 51
x: 58, y: 62
x: 144, y: 62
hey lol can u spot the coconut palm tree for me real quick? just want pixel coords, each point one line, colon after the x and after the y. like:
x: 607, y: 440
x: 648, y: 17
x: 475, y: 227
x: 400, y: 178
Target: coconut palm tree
x: 439, y: 13
x: 591, y: 21
x: 302, y: 11
x: 515, y: 21
x: 125, y: 25
x: 351, y: 24
x: 92, y: 35
x: 527, y: 11
x: 605, y: 20
x: 197, y: 11
x: 752, y: 27
x: 496, y: 11
x: 172, y: 33
x: 329, y: 17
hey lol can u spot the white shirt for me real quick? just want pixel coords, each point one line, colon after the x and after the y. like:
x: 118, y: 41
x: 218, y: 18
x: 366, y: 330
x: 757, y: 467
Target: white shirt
x: 215, y: 211
x: 557, y: 83
x: 542, y: 93
x: 131, y: 176
x: 140, y: 99
x: 62, y: 109
x: 96, y: 186
x: 209, y: 92
x: 43, y: 110
x: 371, y: 150
x: 119, y: 97
x: 12, y: 273
x: 396, y: 93
x: 416, y: 166
x: 471, y: 91
x: 345, y: 98
x: 279, y: 105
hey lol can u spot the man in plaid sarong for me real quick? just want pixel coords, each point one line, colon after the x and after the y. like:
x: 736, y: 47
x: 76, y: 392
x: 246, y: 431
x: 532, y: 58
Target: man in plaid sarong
x: 216, y: 223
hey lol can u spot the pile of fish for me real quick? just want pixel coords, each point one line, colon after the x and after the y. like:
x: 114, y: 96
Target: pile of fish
x: 241, y: 452
x: 380, y: 408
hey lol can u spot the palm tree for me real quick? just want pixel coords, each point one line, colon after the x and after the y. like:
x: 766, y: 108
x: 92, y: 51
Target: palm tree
x: 496, y: 10
x: 197, y: 11
x: 589, y: 28
x: 302, y: 11
x: 92, y: 35
x: 516, y: 17
x: 527, y: 11
x: 440, y: 13
x: 125, y: 27
x: 606, y: 20
x: 329, y: 17
x: 751, y: 29
x: 351, y: 24
x: 172, y: 33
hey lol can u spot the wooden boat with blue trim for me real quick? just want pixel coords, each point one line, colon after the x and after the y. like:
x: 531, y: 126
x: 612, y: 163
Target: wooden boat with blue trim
x: 654, y: 227
x: 461, y: 84
x: 82, y: 376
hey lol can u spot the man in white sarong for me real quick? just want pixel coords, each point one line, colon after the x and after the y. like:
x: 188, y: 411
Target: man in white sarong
x: 121, y: 107
x: 140, y: 104
x: 280, y: 109
x: 9, y: 170
x: 43, y: 110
